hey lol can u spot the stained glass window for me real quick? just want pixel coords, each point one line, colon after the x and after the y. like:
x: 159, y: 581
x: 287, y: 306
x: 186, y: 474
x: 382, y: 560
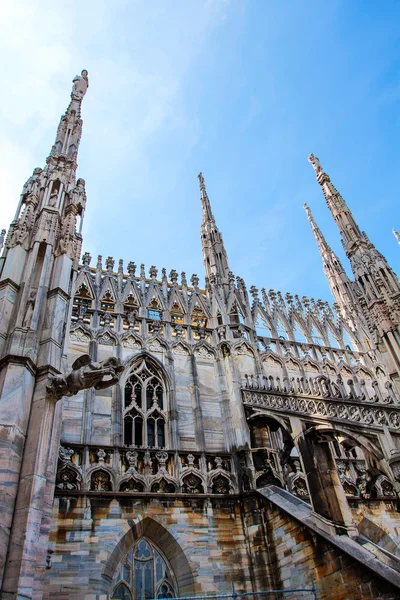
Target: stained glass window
x: 143, y: 573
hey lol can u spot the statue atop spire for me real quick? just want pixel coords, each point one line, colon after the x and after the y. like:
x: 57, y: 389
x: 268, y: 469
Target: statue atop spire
x: 315, y: 163
x: 80, y: 85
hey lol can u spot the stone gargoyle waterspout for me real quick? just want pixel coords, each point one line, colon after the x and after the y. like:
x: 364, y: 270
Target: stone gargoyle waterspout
x: 85, y: 374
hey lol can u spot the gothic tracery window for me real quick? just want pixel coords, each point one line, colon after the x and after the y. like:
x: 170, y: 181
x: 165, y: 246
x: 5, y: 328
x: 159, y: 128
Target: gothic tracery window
x: 144, y: 408
x: 143, y: 573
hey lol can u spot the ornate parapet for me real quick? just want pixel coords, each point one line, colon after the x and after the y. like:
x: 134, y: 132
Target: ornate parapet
x: 346, y: 411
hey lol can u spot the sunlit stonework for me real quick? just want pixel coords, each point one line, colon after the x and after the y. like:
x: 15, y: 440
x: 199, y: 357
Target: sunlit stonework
x: 160, y: 439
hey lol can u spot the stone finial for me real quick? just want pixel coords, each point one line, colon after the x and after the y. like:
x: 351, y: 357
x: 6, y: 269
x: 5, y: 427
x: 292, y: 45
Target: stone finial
x: 306, y: 302
x: 99, y: 265
x: 254, y: 293
x: 194, y: 280
x: 183, y: 279
x: 231, y: 279
x: 299, y: 307
x: 110, y: 264
x: 173, y: 275
x: 164, y: 275
x: 289, y: 299
x: 395, y: 233
x: 142, y: 272
x: 86, y: 259
x: 265, y: 297
x: 131, y: 269
x: 315, y: 164
x: 120, y: 267
x: 153, y: 272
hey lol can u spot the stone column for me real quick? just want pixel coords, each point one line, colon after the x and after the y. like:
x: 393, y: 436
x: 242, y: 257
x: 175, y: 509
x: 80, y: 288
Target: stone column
x: 326, y: 491
x: 25, y: 542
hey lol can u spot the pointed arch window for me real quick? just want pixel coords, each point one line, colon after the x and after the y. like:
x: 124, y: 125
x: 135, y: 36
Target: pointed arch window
x: 143, y: 573
x: 144, y: 408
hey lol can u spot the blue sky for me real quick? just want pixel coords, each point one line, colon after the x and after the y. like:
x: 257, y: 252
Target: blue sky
x: 240, y: 90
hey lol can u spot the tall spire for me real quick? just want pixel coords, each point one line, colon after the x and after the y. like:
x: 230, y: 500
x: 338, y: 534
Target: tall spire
x: 340, y: 284
x: 38, y: 272
x: 70, y: 128
x: 349, y: 230
x: 214, y: 253
x: 377, y: 286
x: 205, y: 202
x: 323, y: 246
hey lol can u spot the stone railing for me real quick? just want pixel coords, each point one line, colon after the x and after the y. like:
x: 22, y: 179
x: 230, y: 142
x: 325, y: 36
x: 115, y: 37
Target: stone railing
x: 137, y: 470
x: 322, y: 387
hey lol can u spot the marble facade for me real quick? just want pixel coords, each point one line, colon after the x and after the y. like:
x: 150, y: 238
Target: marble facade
x: 182, y: 437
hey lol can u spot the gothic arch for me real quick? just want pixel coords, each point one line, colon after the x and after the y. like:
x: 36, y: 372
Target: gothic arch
x: 168, y: 545
x: 359, y: 439
x: 133, y: 361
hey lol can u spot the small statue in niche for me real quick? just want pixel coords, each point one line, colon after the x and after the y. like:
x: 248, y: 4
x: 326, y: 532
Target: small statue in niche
x: 53, y: 198
x: 30, y: 306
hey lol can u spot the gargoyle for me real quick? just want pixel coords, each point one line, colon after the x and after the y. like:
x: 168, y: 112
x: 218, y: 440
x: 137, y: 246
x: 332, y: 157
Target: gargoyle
x: 85, y: 374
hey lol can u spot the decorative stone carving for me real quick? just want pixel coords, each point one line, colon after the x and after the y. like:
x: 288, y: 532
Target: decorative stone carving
x: 106, y: 339
x: 162, y: 458
x: 156, y: 346
x: 131, y: 343
x: 202, y: 352
x: 100, y: 481
x: 345, y: 412
x: 220, y: 485
x: 132, y: 458
x: 101, y: 455
x: 192, y: 484
x: 65, y: 454
x: 79, y: 335
x: 180, y: 350
x: 85, y: 374
x: 163, y: 487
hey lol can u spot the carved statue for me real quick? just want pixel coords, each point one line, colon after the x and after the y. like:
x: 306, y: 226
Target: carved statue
x: 315, y: 163
x: 30, y: 307
x: 53, y: 198
x: 81, y: 84
x: 85, y: 374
